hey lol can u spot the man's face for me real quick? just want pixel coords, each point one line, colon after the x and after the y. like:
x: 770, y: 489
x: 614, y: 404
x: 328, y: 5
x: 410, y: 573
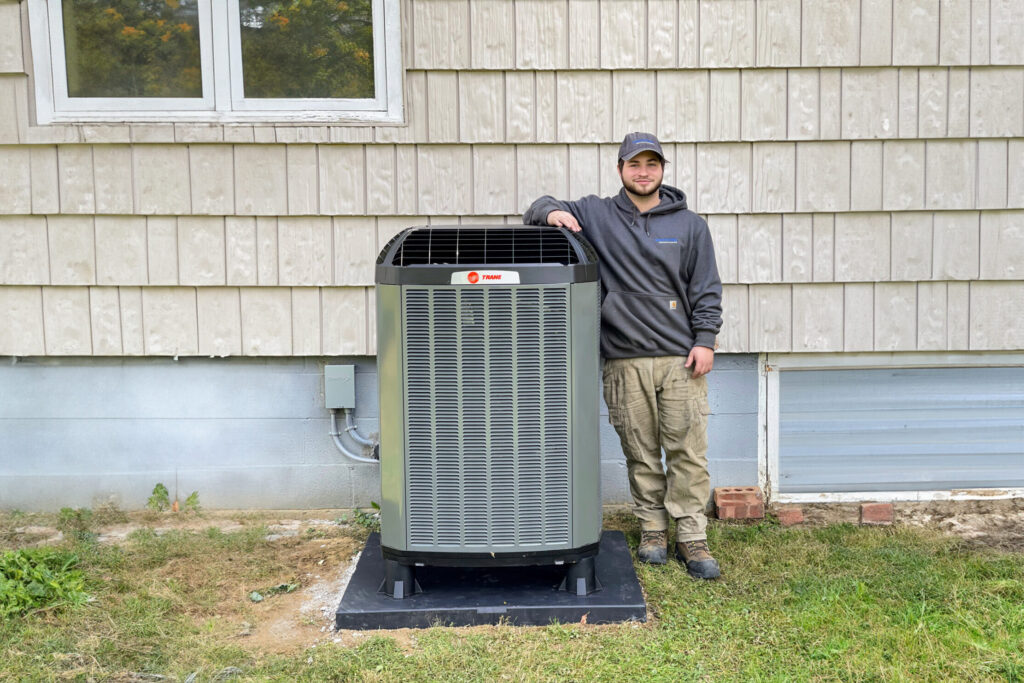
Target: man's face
x: 642, y: 175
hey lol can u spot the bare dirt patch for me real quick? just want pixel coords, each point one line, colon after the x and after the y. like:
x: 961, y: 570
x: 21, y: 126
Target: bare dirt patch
x: 987, y: 523
x: 997, y: 524
x: 287, y: 622
x: 41, y: 528
x: 309, y: 550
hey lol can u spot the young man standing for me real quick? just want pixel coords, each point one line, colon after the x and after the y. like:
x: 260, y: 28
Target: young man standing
x: 661, y: 310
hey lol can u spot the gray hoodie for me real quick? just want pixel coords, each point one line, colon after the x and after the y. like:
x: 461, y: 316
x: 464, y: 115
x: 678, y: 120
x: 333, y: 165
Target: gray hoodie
x: 661, y: 294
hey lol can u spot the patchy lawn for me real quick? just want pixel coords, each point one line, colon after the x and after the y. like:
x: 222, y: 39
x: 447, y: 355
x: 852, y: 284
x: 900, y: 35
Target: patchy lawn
x: 171, y: 596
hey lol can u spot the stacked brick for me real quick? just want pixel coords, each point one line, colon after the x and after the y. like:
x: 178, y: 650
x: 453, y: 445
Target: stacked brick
x: 738, y: 502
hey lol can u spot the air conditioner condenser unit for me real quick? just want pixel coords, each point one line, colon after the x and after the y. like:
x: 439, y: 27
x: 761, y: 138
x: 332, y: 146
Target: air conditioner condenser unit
x: 488, y: 367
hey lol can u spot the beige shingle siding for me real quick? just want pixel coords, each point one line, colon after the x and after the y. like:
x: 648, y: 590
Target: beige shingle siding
x: 860, y: 164
x: 460, y: 179
x: 598, y: 106
x: 11, y: 53
x: 456, y: 34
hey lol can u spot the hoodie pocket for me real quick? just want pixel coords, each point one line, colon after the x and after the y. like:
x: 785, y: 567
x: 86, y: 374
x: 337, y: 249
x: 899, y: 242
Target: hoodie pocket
x: 670, y: 253
x: 633, y: 324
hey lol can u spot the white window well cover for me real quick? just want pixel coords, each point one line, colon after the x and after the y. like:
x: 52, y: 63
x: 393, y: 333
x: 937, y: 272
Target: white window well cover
x: 216, y: 60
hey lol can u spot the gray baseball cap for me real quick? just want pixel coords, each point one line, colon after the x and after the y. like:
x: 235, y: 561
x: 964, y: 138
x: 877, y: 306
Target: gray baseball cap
x: 634, y: 143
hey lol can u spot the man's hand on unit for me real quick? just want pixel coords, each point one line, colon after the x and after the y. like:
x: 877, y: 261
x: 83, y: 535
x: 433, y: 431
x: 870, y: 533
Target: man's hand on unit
x: 564, y: 219
x: 701, y: 359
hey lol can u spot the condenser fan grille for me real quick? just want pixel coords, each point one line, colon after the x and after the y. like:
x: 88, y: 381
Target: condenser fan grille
x: 485, y: 246
x: 487, y: 415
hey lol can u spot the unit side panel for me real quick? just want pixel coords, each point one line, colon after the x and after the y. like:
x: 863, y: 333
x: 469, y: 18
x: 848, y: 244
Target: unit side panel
x: 585, y: 402
x: 391, y: 389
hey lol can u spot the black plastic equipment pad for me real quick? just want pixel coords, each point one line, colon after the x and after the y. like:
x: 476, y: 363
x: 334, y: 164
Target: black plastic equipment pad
x: 527, y: 596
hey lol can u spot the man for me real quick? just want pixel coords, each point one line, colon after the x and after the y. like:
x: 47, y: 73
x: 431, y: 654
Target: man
x: 661, y: 311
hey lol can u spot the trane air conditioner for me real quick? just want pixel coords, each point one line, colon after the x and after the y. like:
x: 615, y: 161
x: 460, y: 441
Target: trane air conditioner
x: 489, y: 394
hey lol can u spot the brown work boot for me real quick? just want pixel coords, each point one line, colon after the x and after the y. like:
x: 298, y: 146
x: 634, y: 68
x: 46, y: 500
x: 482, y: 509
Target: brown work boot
x: 697, y: 558
x: 653, y: 548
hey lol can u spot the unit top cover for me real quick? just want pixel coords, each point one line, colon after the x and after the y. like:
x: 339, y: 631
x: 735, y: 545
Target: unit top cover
x: 537, y: 253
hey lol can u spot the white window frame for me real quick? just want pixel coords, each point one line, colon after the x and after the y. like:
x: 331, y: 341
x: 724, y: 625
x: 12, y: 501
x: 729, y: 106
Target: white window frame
x: 772, y: 364
x: 223, y: 98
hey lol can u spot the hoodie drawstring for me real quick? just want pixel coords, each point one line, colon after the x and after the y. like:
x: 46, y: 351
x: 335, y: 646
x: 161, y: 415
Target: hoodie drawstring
x: 646, y: 221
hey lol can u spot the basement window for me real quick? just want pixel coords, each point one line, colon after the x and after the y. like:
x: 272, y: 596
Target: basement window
x: 216, y: 60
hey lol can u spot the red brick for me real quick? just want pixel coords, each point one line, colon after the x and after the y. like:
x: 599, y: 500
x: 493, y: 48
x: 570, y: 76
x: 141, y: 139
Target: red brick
x: 739, y: 502
x: 876, y: 513
x: 791, y: 516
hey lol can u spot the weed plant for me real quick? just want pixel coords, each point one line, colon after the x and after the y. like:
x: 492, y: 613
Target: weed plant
x: 192, y: 503
x: 38, y: 578
x: 363, y: 519
x: 160, y: 499
x: 76, y: 523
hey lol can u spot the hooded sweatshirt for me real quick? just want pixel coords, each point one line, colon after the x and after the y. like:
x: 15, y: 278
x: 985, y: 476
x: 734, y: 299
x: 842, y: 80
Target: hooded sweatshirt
x: 661, y: 294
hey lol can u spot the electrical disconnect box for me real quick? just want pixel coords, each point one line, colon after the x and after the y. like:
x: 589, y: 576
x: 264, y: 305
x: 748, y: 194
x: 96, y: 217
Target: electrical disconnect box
x: 340, y: 386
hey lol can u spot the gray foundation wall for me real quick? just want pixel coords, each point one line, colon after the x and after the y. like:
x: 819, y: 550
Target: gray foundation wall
x: 247, y: 433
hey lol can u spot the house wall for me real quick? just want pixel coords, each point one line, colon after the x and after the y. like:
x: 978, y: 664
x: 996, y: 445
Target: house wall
x: 860, y: 164
x: 247, y: 432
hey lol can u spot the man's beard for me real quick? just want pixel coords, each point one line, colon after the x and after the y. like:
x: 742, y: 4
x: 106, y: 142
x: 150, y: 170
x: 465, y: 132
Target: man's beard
x: 636, y: 190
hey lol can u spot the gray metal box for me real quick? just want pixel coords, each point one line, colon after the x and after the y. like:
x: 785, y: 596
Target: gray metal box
x: 340, y: 386
x: 489, y: 395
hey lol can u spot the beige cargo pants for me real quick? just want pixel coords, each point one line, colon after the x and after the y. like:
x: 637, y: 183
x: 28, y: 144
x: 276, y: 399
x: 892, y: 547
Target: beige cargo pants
x: 655, y: 403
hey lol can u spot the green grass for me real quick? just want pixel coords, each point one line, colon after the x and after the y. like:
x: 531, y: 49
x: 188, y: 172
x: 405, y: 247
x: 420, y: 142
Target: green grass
x: 839, y: 603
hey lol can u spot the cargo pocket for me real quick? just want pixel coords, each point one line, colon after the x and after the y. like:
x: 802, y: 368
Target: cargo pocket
x: 684, y: 414
x: 611, y: 379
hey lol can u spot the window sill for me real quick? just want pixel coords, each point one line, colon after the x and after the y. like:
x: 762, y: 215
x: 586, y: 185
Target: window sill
x: 214, y: 118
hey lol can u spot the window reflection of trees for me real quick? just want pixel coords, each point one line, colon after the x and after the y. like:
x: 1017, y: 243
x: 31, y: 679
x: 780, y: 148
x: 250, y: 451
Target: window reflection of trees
x: 132, y: 48
x: 307, y: 48
x: 150, y: 48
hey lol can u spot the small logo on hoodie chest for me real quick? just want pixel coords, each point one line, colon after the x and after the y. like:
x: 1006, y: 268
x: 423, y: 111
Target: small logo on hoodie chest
x: 666, y: 240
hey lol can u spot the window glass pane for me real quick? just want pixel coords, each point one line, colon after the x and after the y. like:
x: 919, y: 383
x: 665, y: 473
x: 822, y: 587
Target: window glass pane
x: 132, y: 48
x: 307, y: 48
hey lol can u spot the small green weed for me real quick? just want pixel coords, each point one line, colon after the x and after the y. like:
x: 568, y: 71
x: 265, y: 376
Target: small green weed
x: 76, y: 523
x: 364, y: 519
x: 160, y: 500
x: 192, y: 502
x: 39, y: 578
x: 260, y: 595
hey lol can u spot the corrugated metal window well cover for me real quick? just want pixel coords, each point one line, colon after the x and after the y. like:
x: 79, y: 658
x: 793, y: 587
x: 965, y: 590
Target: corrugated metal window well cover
x: 901, y: 429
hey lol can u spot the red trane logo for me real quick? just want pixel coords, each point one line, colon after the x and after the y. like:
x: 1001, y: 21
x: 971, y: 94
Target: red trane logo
x: 494, y: 276
x: 473, y: 277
